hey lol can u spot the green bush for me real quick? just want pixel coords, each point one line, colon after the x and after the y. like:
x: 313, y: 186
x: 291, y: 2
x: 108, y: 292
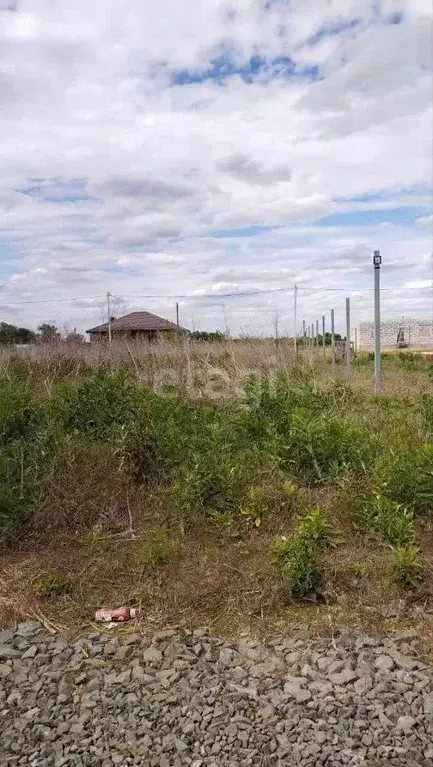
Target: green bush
x: 295, y: 560
x: 404, y: 472
x: 363, y: 359
x: 255, y: 508
x: 27, y: 451
x: 11, y: 506
x: 167, y: 434
x: 20, y: 414
x: 95, y: 405
x: 211, y: 488
x: 270, y: 401
x: 322, y: 444
x: 295, y: 557
x: 314, y: 526
x: 389, y: 520
x: 407, y: 567
x: 408, y: 360
x: 300, y: 427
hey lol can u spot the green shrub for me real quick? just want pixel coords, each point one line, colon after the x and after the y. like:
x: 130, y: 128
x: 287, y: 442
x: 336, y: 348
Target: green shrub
x: 11, y: 508
x: 411, y: 360
x: 300, y: 427
x: 363, y: 359
x: 20, y: 414
x: 290, y: 490
x: 270, y: 401
x: 407, y: 567
x: 322, y: 444
x: 295, y: 557
x: 53, y: 583
x: 158, y: 551
x: 26, y: 462
x: 315, y: 527
x: 404, y: 472
x: 96, y: 404
x: 215, y: 457
x: 389, y: 520
x: 295, y: 560
x: 215, y: 488
x: 167, y: 434
x: 256, y: 507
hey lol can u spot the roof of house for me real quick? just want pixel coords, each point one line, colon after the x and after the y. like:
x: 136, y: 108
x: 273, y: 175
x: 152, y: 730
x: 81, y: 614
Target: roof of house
x: 137, y: 321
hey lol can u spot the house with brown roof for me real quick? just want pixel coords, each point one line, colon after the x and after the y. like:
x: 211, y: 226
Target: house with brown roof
x: 136, y: 325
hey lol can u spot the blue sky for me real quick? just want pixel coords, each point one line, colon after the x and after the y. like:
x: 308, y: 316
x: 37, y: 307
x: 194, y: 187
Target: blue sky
x: 397, y: 216
x: 257, y: 68
x: 57, y: 190
x: 214, y: 148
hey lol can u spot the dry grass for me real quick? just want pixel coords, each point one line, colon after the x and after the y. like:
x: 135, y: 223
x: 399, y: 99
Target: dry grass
x: 215, y: 580
x: 217, y: 370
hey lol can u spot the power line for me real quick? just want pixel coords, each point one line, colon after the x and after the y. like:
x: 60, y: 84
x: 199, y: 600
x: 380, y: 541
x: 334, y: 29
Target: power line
x: 261, y: 292
x: 57, y: 300
x: 239, y: 294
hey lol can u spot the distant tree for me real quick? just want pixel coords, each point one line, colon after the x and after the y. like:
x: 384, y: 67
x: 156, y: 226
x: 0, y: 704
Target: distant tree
x: 201, y: 335
x: 10, y: 334
x: 7, y: 333
x: 48, y: 333
x: 25, y: 336
x: 73, y: 337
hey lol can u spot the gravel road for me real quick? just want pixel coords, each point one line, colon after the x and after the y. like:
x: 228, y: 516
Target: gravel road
x: 190, y: 699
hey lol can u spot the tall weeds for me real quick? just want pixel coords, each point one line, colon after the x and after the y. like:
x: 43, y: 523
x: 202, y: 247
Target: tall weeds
x: 72, y: 428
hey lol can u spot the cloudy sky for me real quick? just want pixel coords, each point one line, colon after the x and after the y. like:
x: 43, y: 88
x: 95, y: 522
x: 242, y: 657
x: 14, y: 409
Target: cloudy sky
x: 214, y: 147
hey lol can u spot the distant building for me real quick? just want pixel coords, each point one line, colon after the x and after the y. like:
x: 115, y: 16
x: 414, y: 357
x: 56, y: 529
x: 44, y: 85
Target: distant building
x: 137, y: 325
x: 395, y: 334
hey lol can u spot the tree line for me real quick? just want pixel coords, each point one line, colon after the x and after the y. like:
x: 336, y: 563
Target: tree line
x: 45, y: 333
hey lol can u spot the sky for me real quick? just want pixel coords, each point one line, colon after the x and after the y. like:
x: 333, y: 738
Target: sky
x: 213, y: 149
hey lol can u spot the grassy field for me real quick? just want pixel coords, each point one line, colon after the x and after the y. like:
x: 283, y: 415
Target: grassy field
x: 228, y: 485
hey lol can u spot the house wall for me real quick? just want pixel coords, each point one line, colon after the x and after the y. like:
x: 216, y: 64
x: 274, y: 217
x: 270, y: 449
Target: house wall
x: 133, y: 335
x: 417, y: 333
x: 129, y: 335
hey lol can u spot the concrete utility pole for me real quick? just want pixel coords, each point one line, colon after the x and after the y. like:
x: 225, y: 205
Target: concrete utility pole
x: 377, y: 260
x: 317, y: 334
x: 177, y: 314
x: 295, y: 319
x: 323, y: 335
x: 348, y: 338
x: 109, y: 316
x: 333, y: 339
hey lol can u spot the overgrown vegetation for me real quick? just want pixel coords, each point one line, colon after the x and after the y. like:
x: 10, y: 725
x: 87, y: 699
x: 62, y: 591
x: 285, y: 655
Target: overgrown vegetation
x: 407, y: 566
x: 296, y: 556
x: 78, y: 443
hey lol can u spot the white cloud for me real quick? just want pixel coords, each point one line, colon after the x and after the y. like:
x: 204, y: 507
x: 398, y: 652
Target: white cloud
x: 115, y: 179
x: 424, y: 221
